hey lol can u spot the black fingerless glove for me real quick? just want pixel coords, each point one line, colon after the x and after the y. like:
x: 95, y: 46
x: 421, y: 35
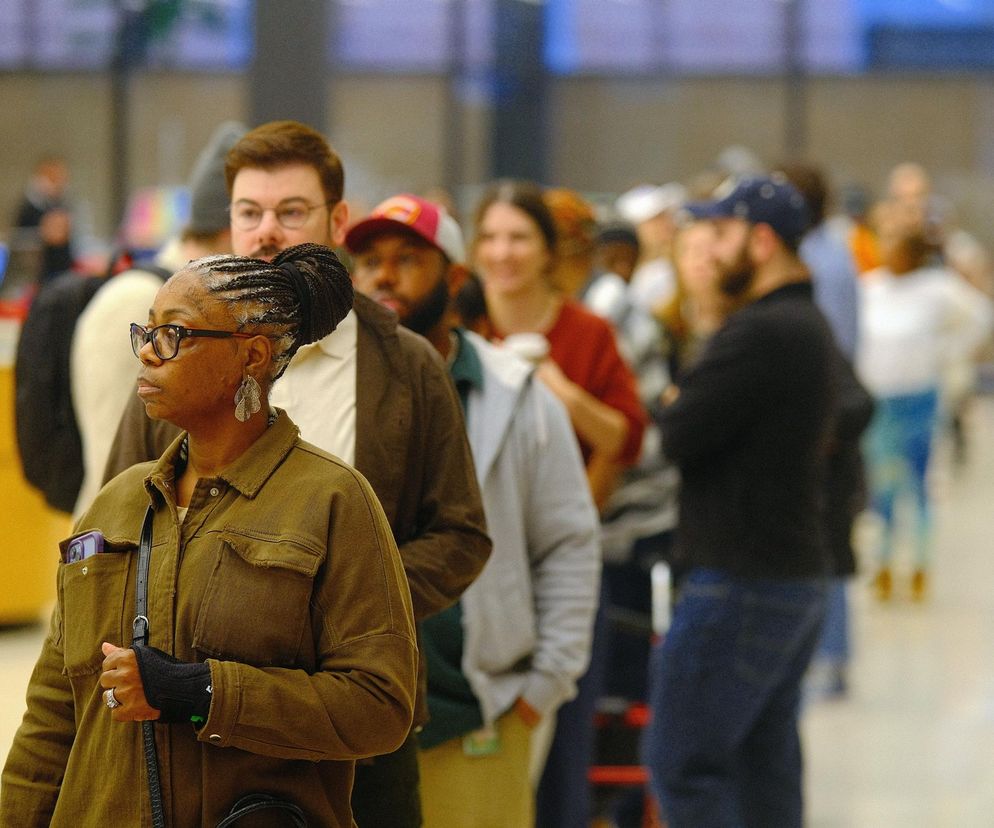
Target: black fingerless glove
x: 182, y: 691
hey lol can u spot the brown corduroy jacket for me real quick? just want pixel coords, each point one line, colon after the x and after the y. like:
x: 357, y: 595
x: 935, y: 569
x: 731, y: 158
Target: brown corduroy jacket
x: 285, y: 579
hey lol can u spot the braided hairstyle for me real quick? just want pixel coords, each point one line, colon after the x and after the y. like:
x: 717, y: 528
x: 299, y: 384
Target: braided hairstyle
x: 298, y: 298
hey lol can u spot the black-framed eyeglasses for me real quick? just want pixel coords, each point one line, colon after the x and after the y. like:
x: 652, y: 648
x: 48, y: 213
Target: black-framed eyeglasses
x: 165, y: 339
x: 292, y: 214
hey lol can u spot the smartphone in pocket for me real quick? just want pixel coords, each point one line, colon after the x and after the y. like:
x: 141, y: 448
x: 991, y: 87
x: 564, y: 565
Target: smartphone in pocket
x: 85, y: 546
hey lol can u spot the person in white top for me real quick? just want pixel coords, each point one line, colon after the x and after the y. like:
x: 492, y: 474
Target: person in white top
x: 917, y: 318
x: 653, y: 211
x: 102, y: 364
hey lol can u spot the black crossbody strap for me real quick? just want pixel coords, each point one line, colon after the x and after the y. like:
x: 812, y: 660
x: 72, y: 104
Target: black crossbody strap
x: 140, y: 624
x: 140, y: 631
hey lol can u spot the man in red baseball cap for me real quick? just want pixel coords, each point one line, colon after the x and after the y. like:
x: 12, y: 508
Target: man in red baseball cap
x: 403, y: 239
x: 502, y: 659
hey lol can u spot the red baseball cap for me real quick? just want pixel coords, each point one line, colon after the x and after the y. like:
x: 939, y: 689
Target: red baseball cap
x: 425, y: 219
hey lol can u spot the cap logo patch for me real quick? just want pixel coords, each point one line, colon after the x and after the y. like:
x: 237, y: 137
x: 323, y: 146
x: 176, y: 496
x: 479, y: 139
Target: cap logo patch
x: 725, y: 189
x: 399, y: 209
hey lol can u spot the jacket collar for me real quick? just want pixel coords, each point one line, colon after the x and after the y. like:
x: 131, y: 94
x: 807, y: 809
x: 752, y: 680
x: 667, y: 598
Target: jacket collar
x: 792, y: 290
x: 373, y: 314
x: 247, y: 473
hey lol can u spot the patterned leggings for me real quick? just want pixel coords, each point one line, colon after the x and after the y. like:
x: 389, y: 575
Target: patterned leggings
x: 898, y: 449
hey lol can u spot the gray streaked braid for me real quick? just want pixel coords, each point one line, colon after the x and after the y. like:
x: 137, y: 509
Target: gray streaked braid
x: 297, y: 299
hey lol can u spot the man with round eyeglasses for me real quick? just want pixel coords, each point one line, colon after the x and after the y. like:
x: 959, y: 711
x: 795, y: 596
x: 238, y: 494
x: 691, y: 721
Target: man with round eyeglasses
x: 372, y: 393
x: 286, y: 188
x: 291, y: 214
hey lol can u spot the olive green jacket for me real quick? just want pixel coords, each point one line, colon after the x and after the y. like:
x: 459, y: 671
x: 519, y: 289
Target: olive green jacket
x: 286, y: 580
x: 410, y: 445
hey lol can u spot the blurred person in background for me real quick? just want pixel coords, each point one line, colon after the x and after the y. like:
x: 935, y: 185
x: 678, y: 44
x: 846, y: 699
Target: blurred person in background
x: 576, y: 237
x: 913, y: 203
x: 653, y: 210
x: 618, y: 250
x: 372, y: 393
x: 699, y: 307
x: 911, y: 193
x: 748, y: 426
x: 43, y: 220
x: 856, y: 225
x: 515, y: 255
x: 508, y: 653
x: 102, y: 369
x: 836, y: 291
x: 916, y: 318
x: 607, y: 294
x: 639, y: 515
x: 469, y: 307
x: 833, y: 271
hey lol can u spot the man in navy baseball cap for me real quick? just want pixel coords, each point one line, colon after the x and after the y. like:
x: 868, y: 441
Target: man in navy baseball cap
x: 747, y: 429
x: 760, y: 199
x: 761, y: 221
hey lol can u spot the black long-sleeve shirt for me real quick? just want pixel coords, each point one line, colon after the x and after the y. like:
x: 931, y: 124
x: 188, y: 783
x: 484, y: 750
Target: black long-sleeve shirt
x: 750, y: 431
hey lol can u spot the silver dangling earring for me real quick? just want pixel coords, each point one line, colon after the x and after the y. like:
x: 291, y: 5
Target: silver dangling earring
x: 248, y: 398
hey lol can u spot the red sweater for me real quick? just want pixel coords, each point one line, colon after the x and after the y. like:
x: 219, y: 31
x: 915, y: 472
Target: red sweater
x: 583, y: 346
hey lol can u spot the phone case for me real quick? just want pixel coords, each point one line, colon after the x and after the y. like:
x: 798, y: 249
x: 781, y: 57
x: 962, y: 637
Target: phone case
x: 82, y: 547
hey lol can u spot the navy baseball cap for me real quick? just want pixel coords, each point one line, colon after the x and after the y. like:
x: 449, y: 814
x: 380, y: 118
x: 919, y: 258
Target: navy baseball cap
x: 764, y: 199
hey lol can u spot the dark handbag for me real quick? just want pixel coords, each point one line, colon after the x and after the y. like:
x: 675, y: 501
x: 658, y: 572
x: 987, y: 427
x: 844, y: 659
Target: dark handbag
x: 248, y: 804
x: 253, y: 803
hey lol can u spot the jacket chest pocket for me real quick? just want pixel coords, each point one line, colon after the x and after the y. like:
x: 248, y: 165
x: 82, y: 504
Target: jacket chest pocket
x: 256, y: 603
x: 94, y: 593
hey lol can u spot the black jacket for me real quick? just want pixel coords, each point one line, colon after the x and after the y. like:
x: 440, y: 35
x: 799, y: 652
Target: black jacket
x: 48, y: 440
x: 750, y: 431
x: 845, y: 486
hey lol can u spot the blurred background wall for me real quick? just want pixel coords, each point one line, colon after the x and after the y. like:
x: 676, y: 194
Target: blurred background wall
x: 415, y: 91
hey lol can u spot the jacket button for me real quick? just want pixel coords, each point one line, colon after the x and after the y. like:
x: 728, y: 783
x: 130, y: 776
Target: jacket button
x: 215, y: 737
x: 214, y: 491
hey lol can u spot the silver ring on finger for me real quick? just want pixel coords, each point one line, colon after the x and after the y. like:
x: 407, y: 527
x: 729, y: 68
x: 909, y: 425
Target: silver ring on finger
x: 110, y: 699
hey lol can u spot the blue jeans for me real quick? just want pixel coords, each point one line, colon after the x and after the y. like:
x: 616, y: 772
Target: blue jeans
x: 833, y: 646
x: 898, y: 451
x: 723, y: 749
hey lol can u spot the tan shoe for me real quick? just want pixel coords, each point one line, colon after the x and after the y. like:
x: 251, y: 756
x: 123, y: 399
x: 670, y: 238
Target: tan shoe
x: 919, y: 585
x: 883, y: 585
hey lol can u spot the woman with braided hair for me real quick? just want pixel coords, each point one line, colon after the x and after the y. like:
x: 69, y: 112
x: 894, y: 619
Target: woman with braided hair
x: 277, y: 646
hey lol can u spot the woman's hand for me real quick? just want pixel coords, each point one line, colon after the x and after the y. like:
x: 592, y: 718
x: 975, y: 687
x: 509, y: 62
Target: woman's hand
x: 552, y: 375
x: 120, y: 673
x: 528, y: 714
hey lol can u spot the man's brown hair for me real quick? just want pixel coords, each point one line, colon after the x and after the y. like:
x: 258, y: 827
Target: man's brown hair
x: 280, y: 143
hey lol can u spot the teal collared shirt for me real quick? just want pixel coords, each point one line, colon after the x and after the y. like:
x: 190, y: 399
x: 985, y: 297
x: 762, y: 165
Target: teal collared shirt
x: 466, y: 369
x: 453, y: 710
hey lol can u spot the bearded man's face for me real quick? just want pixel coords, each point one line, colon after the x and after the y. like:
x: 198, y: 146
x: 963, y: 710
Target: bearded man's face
x: 736, y: 268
